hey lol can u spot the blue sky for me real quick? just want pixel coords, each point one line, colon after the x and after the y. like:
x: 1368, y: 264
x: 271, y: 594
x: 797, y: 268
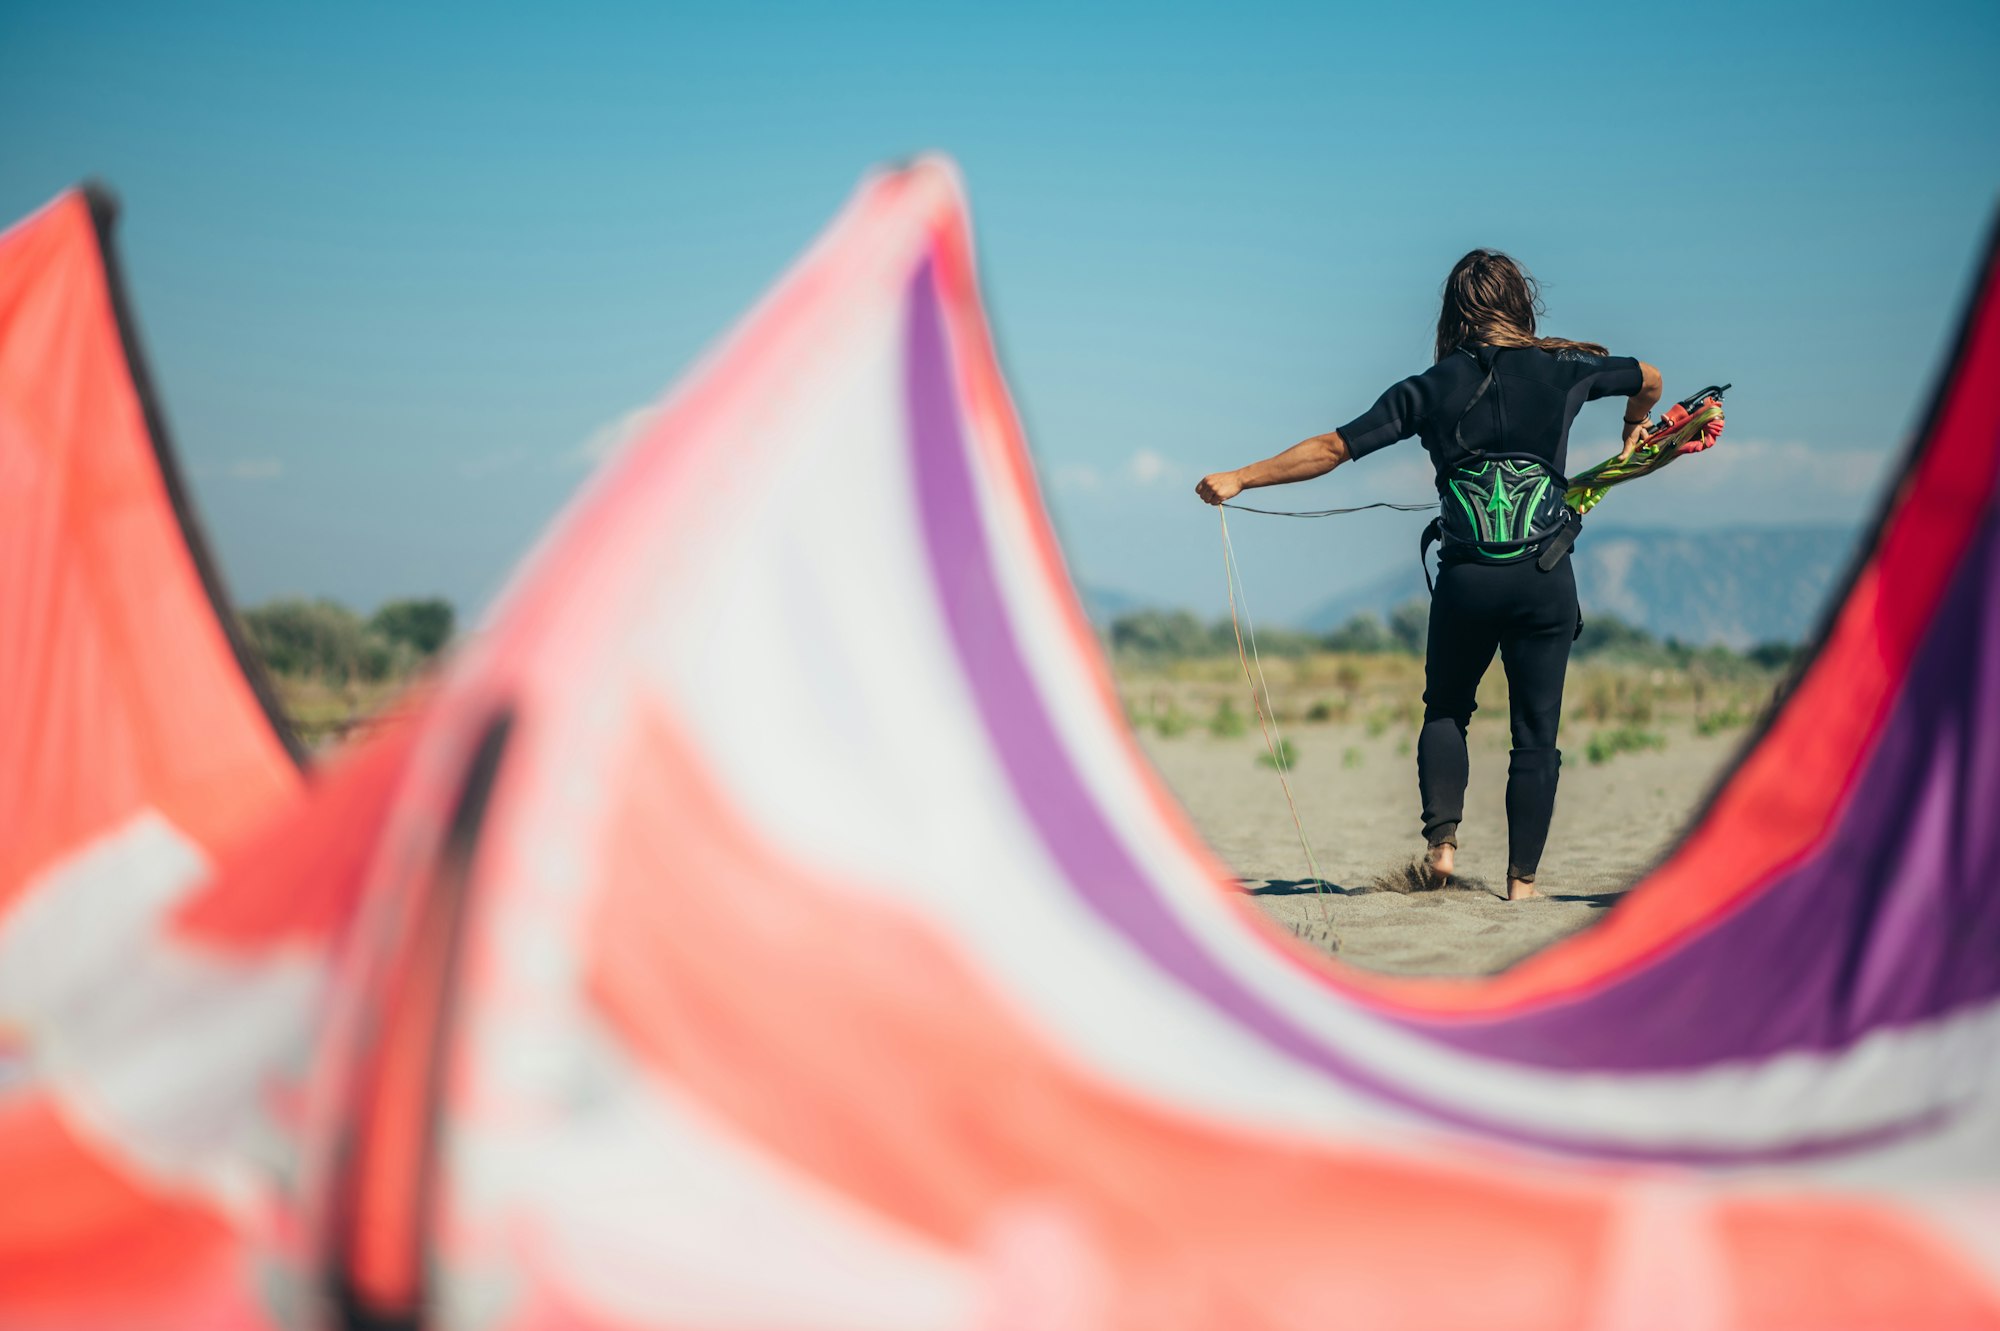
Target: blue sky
x: 398, y: 265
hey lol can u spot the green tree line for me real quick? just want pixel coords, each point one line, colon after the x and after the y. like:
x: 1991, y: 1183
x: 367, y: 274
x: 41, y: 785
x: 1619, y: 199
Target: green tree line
x: 326, y: 641
x: 1173, y: 635
x: 1177, y: 635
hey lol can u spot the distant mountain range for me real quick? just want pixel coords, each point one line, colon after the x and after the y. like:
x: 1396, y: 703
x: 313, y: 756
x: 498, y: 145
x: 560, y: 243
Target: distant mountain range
x: 1737, y: 586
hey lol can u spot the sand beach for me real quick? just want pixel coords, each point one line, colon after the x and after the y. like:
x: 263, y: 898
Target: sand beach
x: 1356, y: 789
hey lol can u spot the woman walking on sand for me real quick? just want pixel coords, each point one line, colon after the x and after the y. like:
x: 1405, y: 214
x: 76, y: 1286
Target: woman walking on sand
x: 1494, y: 413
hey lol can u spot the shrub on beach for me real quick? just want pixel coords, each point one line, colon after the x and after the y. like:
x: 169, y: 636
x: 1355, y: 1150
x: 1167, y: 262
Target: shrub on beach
x: 321, y: 640
x: 1605, y: 745
x: 423, y: 625
x: 1714, y: 723
x: 1773, y: 655
x: 1410, y: 626
x: 1287, y: 756
x: 325, y: 641
x: 1608, y: 634
x: 1161, y: 634
x: 1363, y: 634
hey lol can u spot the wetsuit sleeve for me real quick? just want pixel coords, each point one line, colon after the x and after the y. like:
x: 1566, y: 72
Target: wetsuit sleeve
x: 1397, y: 414
x: 1609, y: 376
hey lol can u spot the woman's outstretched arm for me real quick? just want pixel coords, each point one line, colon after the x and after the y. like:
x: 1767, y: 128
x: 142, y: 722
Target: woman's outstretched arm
x: 1301, y: 462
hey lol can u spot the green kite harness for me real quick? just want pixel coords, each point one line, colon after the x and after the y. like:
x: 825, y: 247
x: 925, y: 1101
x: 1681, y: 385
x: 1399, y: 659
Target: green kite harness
x: 1497, y: 507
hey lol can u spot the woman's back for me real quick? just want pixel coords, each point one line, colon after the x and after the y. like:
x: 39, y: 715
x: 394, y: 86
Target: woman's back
x: 1533, y: 397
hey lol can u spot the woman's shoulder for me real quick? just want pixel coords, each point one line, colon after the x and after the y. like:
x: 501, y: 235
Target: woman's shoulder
x: 1462, y: 360
x: 1562, y: 364
x: 1596, y: 360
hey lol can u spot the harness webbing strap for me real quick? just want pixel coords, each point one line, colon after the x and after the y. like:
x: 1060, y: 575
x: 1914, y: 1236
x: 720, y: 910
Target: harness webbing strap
x: 1458, y: 430
x: 1559, y: 542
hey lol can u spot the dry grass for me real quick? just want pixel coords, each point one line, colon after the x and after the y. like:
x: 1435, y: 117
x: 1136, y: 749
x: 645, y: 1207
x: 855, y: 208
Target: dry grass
x: 1413, y: 875
x: 1609, y: 705
x: 323, y: 714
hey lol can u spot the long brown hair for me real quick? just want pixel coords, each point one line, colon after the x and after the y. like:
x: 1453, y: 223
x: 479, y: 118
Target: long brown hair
x: 1489, y: 300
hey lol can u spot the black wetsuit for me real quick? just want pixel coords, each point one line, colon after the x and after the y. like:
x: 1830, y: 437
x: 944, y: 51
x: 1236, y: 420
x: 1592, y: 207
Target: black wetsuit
x: 1480, y: 605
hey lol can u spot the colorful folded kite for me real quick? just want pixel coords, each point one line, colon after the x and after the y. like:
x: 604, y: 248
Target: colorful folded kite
x: 558, y: 1005
x: 1689, y: 426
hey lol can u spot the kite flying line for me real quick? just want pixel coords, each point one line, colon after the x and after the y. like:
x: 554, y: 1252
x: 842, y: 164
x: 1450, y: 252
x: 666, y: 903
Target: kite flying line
x: 1260, y: 698
x: 1329, y: 512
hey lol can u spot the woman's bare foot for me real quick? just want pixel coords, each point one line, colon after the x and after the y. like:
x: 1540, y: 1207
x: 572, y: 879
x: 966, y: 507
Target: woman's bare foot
x: 1441, y: 860
x: 1520, y: 889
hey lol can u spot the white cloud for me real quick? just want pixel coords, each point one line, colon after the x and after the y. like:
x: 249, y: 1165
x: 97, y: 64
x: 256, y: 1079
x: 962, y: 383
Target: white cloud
x: 1770, y: 466
x: 1143, y: 470
x: 1757, y: 482
x: 255, y: 469
x: 1075, y: 478
x: 1146, y: 467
